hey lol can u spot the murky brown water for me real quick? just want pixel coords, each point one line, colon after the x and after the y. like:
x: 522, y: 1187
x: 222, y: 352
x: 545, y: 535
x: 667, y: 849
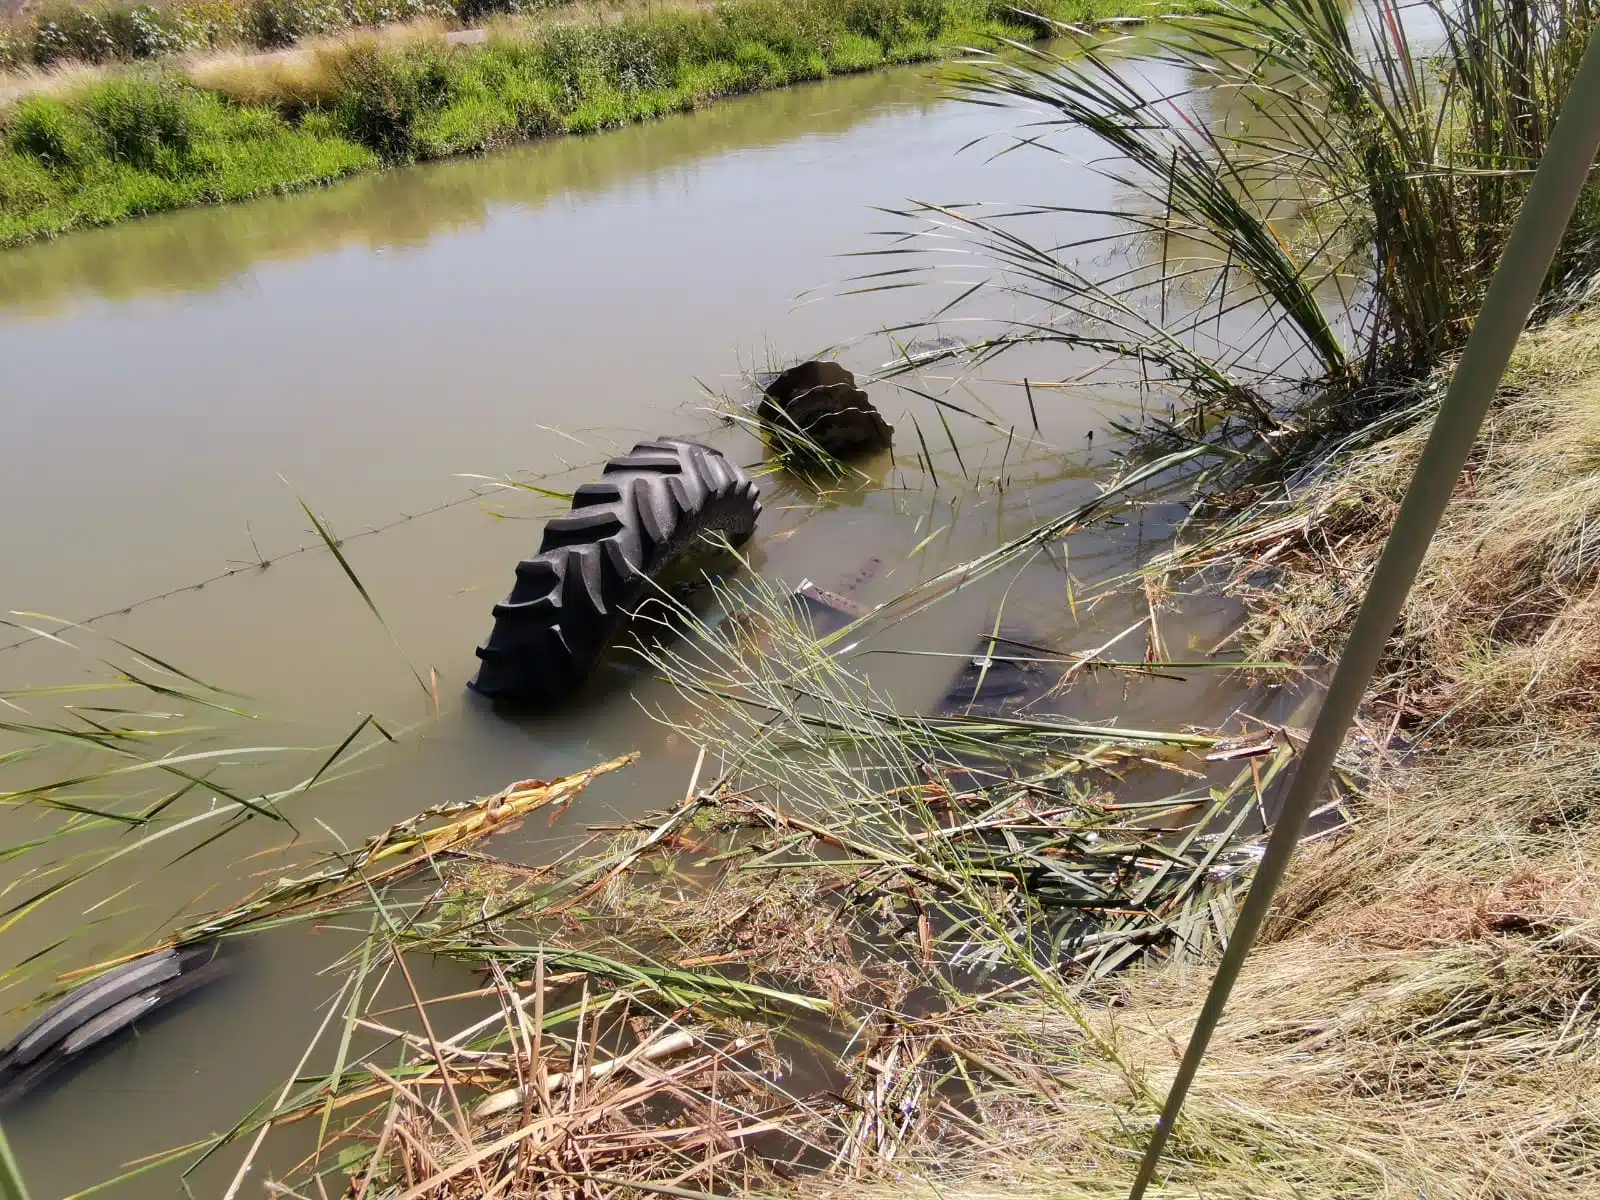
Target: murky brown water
x: 170, y: 386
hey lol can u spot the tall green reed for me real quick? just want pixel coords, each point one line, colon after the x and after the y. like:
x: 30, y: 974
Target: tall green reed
x: 1348, y: 173
x: 144, y: 760
x: 136, y: 770
x: 11, y: 1185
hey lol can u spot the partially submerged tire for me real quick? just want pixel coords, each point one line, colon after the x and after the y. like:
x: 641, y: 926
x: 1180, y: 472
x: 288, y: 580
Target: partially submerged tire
x: 100, y: 1008
x: 649, y: 509
x: 816, y: 406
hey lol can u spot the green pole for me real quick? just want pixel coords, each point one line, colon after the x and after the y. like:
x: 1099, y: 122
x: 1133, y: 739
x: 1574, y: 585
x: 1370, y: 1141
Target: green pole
x: 1512, y: 294
x: 11, y: 1185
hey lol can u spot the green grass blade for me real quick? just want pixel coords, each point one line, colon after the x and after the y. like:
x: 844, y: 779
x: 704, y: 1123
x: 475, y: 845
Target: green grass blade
x: 332, y: 544
x: 11, y: 1185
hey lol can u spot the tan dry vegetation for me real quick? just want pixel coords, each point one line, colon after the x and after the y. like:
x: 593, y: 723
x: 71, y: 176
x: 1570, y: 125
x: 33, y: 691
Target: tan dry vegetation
x: 1345, y: 1068
x: 302, y: 74
x: 315, y: 70
x: 792, y: 928
x: 311, y: 73
x: 18, y: 85
x: 1421, y: 1020
x: 1500, y: 628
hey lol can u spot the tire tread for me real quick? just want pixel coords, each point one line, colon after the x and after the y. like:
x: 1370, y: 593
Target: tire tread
x: 648, y: 509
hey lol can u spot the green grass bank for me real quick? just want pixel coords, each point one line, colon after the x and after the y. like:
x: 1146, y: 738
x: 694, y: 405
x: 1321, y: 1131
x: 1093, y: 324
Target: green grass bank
x: 162, y: 138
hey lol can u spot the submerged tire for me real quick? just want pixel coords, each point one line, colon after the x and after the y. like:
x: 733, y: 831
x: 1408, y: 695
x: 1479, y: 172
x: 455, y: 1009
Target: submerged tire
x: 816, y: 406
x: 100, y: 1008
x: 647, y: 511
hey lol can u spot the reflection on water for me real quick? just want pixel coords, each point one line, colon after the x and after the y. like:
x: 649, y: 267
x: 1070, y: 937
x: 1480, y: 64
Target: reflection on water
x: 200, y: 249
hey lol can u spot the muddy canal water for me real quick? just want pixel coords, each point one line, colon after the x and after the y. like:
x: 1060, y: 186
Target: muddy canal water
x: 383, y: 348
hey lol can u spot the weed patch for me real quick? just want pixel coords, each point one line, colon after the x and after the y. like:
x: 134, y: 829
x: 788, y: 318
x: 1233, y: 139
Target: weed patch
x: 131, y: 147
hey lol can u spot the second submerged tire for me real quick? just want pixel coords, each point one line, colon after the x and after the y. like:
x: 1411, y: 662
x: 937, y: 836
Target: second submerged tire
x: 816, y: 406
x: 649, y: 508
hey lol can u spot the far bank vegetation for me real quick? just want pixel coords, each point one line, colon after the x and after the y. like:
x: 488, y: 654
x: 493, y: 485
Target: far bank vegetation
x: 105, y: 146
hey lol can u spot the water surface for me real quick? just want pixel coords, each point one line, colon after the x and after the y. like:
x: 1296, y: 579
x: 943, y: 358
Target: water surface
x: 170, y: 388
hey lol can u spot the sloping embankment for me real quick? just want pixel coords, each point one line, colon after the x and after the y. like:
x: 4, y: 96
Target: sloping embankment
x: 1422, y: 1018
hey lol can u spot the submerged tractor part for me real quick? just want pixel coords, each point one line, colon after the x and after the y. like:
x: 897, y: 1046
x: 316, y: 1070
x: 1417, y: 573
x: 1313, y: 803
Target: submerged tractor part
x: 106, y: 1005
x: 1000, y: 676
x: 817, y: 405
x: 649, y: 509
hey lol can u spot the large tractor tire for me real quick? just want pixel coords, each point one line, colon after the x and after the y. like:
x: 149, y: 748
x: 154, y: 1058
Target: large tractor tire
x: 649, y: 509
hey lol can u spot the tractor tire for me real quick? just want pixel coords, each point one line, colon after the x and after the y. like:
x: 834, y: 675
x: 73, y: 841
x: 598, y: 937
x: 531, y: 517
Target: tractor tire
x: 647, y: 511
x: 816, y: 406
x: 100, y: 1008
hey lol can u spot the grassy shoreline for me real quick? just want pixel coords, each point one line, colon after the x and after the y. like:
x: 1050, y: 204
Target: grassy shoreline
x: 147, y: 141
x: 1420, y: 1019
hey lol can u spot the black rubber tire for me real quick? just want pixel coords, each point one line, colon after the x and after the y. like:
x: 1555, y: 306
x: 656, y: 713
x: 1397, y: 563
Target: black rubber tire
x: 817, y: 406
x: 649, y: 509
x: 100, y: 1008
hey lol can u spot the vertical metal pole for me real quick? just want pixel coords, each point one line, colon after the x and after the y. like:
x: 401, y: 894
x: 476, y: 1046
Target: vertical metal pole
x: 1512, y: 294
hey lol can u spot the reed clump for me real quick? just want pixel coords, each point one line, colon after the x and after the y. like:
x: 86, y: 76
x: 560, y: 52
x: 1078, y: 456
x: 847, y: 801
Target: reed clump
x: 1349, y: 173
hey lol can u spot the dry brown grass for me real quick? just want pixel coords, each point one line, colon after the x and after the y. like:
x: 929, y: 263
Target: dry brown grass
x: 796, y: 930
x: 1421, y: 1020
x: 317, y: 70
x: 18, y: 85
x: 584, y: 1093
x: 1500, y: 628
x: 1409, y: 1030
x: 314, y: 72
x: 308, y: 73
x: 1345, y: 1068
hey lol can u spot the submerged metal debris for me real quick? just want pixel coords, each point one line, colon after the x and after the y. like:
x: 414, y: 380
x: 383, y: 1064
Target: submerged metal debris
x: 114, y: 1001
